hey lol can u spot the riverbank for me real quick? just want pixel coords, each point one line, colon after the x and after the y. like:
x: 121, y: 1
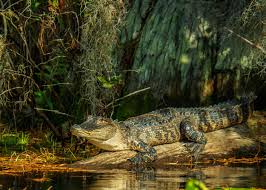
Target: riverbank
x: 41, y: 152
x: 27, y: 162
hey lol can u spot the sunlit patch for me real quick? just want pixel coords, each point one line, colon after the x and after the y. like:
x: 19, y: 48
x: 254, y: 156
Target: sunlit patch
x: 184, y: 59
x: 102, y: 121
x: 41, y: 180
x: 208, y: 88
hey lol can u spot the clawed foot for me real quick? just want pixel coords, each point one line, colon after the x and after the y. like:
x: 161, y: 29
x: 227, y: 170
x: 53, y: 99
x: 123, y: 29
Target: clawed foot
x: 195, y: 149
x: 143, y: 158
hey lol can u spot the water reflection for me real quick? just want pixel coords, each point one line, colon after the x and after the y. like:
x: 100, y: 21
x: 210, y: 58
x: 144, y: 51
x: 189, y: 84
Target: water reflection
x: 216, y: 176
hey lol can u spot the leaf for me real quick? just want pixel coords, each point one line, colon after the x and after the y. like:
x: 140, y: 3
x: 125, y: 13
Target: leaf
x: 42, y: 100
x: 101, y: 79
x: 195, y: 185
x: 34, y: 5
x: 107, y: 85
x: 104, y: 82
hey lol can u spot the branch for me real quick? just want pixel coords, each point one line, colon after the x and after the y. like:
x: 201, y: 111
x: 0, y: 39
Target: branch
x: 247, y: 41
x: 50, y: 124
x: 128, y: 95
x: 53, y: 111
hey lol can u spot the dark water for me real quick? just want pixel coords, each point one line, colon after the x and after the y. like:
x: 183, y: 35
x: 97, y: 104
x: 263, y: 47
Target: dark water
x: 170, y: 179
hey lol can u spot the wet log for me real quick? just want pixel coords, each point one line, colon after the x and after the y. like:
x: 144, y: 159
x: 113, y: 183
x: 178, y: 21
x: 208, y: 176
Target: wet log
x: 237, y: 141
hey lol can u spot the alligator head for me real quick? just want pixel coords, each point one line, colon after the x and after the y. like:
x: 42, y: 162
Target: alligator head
x: 102, y: 132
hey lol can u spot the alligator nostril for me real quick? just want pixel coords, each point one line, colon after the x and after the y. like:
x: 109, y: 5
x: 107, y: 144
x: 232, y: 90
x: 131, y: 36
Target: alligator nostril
x: 73, y: 128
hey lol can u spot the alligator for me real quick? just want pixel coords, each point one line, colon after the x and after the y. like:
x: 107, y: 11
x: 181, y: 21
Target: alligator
x: 164, y: 126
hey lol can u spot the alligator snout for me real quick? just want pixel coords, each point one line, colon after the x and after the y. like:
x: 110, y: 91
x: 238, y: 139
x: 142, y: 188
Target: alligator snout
x: 75, y: 130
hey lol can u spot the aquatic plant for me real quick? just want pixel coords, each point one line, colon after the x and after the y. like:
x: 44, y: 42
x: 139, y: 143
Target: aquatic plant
x: 193, y: 184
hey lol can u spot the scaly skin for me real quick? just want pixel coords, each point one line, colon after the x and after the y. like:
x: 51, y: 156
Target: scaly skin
x: 163, y: 126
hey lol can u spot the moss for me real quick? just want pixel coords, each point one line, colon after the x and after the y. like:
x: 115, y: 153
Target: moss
x: 134, y: 106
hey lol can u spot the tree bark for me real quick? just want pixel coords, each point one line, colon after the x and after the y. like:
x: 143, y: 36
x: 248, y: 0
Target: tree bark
x: 182, y: 51
x: 235, y: 141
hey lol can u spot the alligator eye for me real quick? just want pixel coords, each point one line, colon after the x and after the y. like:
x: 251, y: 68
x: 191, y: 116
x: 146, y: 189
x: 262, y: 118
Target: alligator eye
x: 101, y: 122
x: 89, y: 118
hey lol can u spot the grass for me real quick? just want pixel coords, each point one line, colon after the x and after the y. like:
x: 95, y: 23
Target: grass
x: 23, y: 139
x: 18, y: 141
x: 42, y: 147
x: 8, y: 139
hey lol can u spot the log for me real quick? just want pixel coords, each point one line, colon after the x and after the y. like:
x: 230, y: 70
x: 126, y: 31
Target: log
x: 237, y: 141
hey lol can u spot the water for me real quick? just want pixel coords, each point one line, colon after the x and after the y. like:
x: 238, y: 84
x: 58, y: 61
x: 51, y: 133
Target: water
x: 162, y: 179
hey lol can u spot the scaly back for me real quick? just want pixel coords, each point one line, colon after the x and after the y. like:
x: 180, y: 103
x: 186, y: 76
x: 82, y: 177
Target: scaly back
x: 220, y: 116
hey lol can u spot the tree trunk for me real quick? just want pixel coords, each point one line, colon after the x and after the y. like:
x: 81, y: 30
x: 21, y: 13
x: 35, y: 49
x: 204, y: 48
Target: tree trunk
x: 184, y: 52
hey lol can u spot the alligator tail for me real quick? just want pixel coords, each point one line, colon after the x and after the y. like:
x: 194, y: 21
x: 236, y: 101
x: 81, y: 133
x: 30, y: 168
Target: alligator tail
x: 233, y: 113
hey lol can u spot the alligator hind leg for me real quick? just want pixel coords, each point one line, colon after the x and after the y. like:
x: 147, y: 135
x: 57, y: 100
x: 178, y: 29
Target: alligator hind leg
x: 198, y: 138
x: 146, y: 154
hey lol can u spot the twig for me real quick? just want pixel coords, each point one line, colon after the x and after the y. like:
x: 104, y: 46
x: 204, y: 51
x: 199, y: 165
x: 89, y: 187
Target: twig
x: 8, y: 90
x: 4, y: 21
x: 50, y: 60
x: 10, y: 6
x: 57, y: 84
x: 128, y: 95
x: 77, y: 19
x: 50, y: 124
x: 54, y: 111
x: 247, y: 41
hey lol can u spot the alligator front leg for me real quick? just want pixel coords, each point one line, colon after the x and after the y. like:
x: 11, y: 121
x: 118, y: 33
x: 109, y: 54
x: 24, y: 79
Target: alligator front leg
x: 146, y: 154
x: 197, y: 137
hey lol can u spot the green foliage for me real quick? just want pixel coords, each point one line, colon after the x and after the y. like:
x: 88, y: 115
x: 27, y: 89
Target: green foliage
x: 56, y: 56
x: 9, y: 139
x: 194, y: 184
x: 53, y: 74
x: 54, y: 3
x: 23, y: 139
x: 37, y: 57
x: 43, y: 100
x: 235, y: 188
x: 35, y: 4
x: 113, y: 81
x: 49, y: 141
x: 14, y: 141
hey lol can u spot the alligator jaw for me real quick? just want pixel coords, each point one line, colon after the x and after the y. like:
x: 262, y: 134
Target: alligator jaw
x: 110, y: 140
x: 77, y: 131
